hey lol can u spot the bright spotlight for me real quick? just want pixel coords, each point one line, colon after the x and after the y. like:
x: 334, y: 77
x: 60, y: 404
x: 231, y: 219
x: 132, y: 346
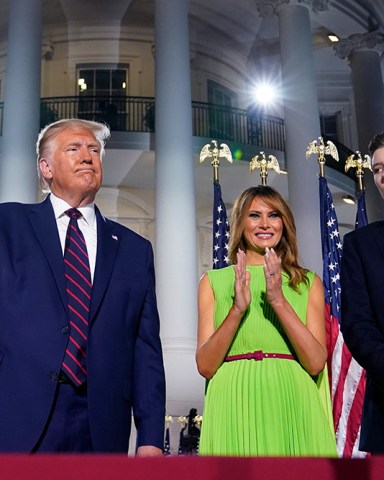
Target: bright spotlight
x: 265, y: 94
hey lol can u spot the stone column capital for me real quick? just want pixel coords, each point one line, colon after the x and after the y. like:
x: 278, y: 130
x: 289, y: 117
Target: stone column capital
x: 269, y: 8
x: 360, y: 41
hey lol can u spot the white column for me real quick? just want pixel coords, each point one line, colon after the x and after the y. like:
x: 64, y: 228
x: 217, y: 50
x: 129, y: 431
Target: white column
x: 302, y: 124
x: 176, y: 244
x: 18, y: 178
x: 363, y: 52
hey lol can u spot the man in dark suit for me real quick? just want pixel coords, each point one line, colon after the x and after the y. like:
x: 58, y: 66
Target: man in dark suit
x: 45, y: 405
x: 362, y: 308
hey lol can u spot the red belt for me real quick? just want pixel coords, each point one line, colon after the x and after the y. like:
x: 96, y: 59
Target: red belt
x: 258, y: 355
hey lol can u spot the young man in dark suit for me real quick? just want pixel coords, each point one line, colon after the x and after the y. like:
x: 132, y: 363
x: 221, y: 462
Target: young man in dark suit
x: 362, y: 309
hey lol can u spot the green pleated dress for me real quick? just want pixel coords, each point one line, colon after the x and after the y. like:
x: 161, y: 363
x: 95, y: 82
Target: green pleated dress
x: 271, y: 407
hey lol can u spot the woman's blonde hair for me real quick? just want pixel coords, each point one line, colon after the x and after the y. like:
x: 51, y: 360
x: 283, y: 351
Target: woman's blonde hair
x: 286, y: 249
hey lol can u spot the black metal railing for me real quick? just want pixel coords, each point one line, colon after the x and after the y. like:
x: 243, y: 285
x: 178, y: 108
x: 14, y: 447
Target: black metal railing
x: 126, y: 114
x: 237, y: 125
x: 137, y: 114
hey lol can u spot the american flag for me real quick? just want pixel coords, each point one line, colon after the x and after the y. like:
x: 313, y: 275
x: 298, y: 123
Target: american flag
x: 361, y: 214
x: 181, y: 440
x: 346, y: 379
x: 167, y: 446
x: 220, y: 229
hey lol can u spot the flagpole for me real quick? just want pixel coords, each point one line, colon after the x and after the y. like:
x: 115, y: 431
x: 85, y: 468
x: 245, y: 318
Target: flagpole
x: 331, y: 254
x: 220, y: 224
x: 343, y: 369
x: 356, y: 372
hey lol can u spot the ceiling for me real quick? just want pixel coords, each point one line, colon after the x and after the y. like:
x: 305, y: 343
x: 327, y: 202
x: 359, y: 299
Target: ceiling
x: 222, y: 22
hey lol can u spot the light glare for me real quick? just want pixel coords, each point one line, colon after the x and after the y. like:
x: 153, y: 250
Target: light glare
x: 333, y: 38
x: 265, y: 94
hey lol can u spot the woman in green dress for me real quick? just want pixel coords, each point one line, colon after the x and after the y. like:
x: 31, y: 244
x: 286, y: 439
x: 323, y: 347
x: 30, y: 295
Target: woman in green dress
x: 261, y: 341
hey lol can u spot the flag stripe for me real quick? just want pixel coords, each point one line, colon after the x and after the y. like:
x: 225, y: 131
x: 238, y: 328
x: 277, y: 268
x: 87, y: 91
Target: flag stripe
x: 354, y: 413
x: 339, y: 398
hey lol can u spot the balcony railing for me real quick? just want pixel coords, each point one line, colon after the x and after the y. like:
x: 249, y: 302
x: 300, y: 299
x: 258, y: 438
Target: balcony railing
x: 237, y: 125
x: 126, y: 114
x: 137, y: 114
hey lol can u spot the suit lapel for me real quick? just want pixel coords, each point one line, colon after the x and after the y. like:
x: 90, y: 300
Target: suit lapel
x: 378, y: 234
x: 44, y: 224
x: 107, y: 248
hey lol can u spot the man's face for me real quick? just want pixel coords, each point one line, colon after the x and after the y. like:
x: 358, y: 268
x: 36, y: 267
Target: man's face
x: 72, y: 165
x: 378, y: 169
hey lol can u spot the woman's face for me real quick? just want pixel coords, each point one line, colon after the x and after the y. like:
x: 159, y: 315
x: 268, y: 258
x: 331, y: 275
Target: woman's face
x: 263, y: 226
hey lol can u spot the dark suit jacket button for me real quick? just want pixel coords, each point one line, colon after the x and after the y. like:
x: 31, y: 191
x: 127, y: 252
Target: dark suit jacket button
x: 64, y: 330
x: 54, y: 376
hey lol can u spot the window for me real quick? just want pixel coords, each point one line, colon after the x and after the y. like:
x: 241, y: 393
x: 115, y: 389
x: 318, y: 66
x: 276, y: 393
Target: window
x: 328, y: 126
x: 102, y: 90
x: 221, y: 100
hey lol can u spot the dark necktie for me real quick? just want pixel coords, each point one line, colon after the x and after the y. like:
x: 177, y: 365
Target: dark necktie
x: 79, y: 287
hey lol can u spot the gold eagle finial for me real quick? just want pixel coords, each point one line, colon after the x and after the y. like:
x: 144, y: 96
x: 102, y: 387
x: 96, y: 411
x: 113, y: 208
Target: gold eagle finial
x: 182, y: 420
x: 212, y: 151
x: 215, y: 153
x: 263, y: 164
x: 168, y: 420
x: 321, y: 150
x: 359, y: 162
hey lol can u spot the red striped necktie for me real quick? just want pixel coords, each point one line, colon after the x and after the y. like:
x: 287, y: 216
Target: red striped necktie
x: 79, y: 287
